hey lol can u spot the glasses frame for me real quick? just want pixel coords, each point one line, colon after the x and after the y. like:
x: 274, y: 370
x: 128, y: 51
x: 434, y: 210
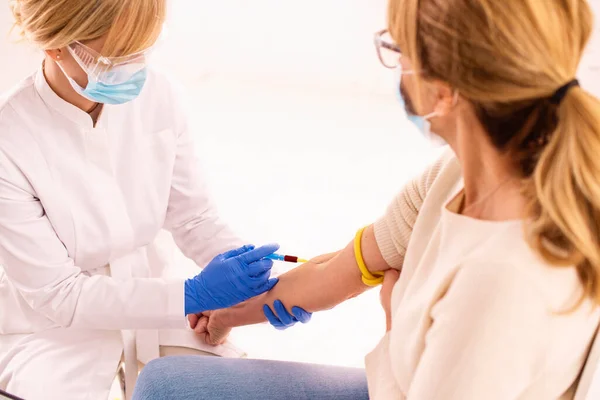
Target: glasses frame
x: 101, y: 63
x: 381, y: 43
x: 112, y: 61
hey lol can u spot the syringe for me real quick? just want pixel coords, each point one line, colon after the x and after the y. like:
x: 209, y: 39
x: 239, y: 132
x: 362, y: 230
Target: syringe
x: 280, y: 257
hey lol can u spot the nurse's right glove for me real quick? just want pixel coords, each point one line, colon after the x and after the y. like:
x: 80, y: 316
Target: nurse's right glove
x: 230, y: 278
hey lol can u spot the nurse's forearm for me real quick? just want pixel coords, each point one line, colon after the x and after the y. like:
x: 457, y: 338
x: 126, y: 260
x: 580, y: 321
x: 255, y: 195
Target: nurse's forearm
x: 315, y: 286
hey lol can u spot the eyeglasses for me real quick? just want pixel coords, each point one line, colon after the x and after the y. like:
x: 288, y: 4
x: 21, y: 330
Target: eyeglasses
x: 108, y: 70
x: 388, y: 52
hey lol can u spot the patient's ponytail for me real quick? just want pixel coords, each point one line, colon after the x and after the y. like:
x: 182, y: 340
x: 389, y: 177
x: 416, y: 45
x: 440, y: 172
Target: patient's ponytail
x: 564, y: 191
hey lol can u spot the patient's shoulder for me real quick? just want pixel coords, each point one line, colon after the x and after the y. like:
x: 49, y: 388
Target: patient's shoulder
x: 445, y: 171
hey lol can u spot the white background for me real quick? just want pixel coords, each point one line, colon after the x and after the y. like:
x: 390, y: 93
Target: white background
x: 300, y: 134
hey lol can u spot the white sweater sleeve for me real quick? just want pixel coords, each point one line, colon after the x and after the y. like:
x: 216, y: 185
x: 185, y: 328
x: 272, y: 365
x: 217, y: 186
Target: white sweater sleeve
x: 39, y: 266
x: 393, y: 230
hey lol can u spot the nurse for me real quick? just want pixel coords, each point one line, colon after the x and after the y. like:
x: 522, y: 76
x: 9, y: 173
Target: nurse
x: 95, y: 159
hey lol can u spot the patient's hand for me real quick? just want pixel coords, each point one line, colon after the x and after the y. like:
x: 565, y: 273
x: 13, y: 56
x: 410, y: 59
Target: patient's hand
x: 389, y: 281
x: 210, y: 329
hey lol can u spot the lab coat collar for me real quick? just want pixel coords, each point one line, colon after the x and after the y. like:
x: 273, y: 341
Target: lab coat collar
x: 67, y: 109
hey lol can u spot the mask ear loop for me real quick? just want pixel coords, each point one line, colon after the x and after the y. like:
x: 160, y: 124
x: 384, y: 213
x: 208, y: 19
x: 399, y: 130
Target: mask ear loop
x: 435, y: 113
x: 430, y: 115
x: 455, y: 98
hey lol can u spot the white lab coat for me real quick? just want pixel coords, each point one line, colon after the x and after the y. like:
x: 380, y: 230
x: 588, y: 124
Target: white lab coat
x: 81, y: 208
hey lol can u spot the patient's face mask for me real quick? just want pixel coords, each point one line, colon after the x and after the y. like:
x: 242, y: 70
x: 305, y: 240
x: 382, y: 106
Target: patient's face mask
x: 115, y: 80
x: 422, y: 123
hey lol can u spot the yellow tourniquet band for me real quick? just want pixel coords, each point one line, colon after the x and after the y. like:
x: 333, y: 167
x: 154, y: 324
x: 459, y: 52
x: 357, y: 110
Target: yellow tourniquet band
x: 368, y: 278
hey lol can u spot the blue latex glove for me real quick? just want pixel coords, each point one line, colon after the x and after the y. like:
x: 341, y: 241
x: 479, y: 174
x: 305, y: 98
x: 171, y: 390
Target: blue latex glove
x: 281, y: 319
x: 230, y: 278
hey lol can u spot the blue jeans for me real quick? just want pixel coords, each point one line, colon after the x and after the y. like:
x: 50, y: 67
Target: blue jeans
x: 195, y: 377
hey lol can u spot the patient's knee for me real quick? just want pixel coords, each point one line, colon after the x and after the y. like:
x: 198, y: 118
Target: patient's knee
x: 157, y: 379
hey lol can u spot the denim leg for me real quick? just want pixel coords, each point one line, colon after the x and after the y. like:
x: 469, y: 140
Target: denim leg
x: 192, y: 377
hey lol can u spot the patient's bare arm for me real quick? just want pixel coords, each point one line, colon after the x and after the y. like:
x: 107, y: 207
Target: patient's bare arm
x: 318, y: 285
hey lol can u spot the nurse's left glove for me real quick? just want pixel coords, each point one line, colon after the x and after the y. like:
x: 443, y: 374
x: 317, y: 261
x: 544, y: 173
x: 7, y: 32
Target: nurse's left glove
x: 230, y: 278
x: 281, y: 318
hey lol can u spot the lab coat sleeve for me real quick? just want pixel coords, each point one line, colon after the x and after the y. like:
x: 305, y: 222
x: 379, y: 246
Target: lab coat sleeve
x: 39, y: 266
x: 486, y: 333
x: 192, y: 218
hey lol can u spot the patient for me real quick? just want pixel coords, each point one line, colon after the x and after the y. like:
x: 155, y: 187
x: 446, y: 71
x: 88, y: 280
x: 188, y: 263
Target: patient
x: 496, y: 244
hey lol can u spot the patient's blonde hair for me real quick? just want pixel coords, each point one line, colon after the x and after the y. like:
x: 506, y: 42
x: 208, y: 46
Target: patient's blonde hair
x: 508, y: 58
x: 131, y: 25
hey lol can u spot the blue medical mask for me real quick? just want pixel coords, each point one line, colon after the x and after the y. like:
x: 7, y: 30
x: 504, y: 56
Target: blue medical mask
x: 112, y: 94
x: 421, y: 122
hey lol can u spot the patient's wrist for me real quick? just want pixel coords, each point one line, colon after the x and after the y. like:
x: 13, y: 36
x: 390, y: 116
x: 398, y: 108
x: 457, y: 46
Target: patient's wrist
x: 246, y: 313
x: 220, y: 318
x: 226, y: 317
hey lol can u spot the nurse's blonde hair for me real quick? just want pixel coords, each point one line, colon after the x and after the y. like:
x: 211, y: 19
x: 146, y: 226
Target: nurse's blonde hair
x: 507, y: 58
x: 131, y: 25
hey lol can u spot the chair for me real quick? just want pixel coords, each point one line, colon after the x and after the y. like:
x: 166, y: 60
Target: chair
x: 8, y: 396
x: 589, y: 383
